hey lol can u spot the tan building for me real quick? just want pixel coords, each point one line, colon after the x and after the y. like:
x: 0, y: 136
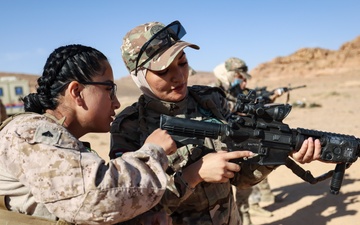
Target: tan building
x: 11, y: 90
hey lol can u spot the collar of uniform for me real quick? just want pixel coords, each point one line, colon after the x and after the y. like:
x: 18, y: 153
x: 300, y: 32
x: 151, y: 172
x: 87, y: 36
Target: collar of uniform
x: 59, y: 121
x: 164, y: 107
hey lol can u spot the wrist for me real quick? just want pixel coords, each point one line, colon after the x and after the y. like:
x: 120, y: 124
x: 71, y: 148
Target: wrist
x: 184, y: 182
x: 191, y: 175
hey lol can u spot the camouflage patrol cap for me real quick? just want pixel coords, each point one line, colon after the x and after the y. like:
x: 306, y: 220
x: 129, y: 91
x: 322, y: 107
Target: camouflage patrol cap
x: 237, y: 65
x: 138, y: 36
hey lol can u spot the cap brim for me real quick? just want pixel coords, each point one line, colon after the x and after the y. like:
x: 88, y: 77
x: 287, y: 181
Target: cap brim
x: 246, y: 75
x: 165, y: 59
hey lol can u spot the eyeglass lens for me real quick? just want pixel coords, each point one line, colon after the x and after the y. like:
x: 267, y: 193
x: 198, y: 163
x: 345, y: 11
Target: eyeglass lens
x: 112, y: 85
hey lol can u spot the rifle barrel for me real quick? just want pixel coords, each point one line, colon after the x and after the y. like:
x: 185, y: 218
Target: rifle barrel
x: 301, y: 86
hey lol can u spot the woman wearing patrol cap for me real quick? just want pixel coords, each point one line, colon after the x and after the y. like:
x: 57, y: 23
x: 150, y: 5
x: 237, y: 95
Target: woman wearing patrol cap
x: 231, y: 77
x: 233, y: 74
x: 229, y: 73
x: 201, y: 193
x: 48, y: 176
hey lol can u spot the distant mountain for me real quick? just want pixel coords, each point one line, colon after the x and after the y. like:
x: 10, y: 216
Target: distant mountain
x: 313, y: 61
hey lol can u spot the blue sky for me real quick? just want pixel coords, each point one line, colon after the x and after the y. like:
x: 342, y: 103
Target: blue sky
x: 256, y: 31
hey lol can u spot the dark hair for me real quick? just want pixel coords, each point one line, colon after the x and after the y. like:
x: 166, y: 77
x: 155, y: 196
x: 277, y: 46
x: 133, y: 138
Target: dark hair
x: 65, y: 64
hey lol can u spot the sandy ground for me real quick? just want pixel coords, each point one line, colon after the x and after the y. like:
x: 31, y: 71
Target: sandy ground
x: 337, y: 96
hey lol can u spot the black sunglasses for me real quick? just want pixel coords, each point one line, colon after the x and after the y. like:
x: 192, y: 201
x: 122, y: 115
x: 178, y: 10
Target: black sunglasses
x: 243, y: 69
x: 161, y: 40
x: 110, y: 84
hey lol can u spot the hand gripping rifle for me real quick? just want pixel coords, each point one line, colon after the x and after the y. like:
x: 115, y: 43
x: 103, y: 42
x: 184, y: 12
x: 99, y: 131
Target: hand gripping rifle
x: 262, y: 131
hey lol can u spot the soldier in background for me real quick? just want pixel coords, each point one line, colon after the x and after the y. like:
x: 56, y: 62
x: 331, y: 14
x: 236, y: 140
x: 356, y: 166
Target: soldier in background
x: 3, y: 114
x: 232, y: 77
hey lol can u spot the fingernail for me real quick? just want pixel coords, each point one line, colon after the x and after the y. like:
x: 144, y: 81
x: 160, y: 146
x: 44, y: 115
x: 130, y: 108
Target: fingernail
x: 252, y: 155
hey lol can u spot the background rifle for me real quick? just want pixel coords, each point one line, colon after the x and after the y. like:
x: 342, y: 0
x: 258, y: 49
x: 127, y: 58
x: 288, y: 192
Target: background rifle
x: 262, y: 131
x: 266, y: 95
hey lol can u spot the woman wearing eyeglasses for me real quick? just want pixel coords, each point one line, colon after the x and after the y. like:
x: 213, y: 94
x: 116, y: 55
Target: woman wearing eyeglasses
x: 201, y: 172
x: 47, y: 174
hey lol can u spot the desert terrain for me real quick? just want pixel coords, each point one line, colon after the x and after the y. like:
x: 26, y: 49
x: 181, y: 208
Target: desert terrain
x: 331, y: 103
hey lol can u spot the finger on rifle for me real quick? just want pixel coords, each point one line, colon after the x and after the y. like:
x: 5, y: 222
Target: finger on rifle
x: 238, y: 154
x: 229, y: 174
x: 314, y: 150
x: 309, y: 153
x: 232, y: 167
x: 317, y: 153
x: 298, y: 156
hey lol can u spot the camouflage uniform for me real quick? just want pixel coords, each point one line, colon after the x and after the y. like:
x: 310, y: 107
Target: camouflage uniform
x: 208, y: 203
x: 46, y: 172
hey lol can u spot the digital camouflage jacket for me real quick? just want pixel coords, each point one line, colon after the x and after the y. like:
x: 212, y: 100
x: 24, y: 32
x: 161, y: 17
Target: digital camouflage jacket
x: 46, y: 172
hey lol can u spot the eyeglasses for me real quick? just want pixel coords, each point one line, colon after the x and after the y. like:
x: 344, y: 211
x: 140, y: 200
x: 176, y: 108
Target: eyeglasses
x: 160, y: 41
x: 110, y: 84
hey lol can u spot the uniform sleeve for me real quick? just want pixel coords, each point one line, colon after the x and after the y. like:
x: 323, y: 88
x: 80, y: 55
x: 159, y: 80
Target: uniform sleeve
x: 75, y: 184
x: 126, y: 187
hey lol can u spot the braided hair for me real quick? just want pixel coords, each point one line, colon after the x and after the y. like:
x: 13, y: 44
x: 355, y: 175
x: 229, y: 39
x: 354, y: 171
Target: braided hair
x: 64, y: 64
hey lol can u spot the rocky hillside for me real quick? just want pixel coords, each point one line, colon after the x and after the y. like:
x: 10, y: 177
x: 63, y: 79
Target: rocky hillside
x: 312, y: 61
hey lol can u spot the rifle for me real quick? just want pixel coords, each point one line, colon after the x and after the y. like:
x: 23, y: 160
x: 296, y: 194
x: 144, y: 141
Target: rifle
x: 263, y: 93
x: 262, y: 131
x: 284, y: 89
